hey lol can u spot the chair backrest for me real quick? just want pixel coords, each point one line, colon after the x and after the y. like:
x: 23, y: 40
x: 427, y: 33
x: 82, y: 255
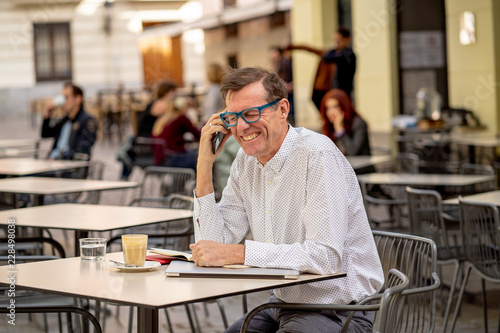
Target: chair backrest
x: 159, y: 182
x: 402, y: 163
x: 390, y: 315
x: 176, y: 235
x: 479, y: 224
x: 426, y: 219
x: 416, y: 257
x: 477, y: 170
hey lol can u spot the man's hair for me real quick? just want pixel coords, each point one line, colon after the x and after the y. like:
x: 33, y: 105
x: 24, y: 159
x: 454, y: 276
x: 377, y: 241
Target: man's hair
x: 165, y: 87
x: 238, y: 79
x: 345, y: 32
x: 75, y: 90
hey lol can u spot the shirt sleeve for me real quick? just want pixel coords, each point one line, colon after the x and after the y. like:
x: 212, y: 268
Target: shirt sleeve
x: 210, y: 219
x: 324, y: 219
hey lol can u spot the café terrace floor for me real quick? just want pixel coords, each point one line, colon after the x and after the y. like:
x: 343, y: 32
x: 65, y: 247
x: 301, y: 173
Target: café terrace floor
x: 471, y: 319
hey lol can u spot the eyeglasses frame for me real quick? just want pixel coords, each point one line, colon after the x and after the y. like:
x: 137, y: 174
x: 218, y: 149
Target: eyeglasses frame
x: 240, y: 114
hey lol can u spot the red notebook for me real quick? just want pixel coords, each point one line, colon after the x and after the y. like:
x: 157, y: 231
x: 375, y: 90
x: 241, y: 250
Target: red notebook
x: 163, y: 259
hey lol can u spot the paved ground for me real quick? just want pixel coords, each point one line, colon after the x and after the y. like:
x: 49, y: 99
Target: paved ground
x: 470, y: 320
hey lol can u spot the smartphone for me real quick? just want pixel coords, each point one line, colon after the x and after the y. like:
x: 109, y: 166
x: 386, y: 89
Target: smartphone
x: 218, y: 139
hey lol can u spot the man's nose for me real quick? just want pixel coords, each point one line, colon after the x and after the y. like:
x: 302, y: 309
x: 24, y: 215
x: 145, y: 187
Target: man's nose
x: 242, y: 125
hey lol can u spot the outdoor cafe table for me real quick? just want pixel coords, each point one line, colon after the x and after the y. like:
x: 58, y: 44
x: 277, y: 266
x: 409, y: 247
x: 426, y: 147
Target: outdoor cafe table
x: 492, y: 197
x: 41, y: 186
x: 16, y: 147
x: 361, y: 162
x: 31, y: 166
x: 149, y: 291
x: 422, y: 179
x: 83, y: 218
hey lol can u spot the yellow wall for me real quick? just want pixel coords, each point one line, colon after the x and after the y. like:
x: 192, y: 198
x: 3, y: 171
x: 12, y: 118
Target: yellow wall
x: 312, y: 23
x: 376, y: 79
x: 474, y: 69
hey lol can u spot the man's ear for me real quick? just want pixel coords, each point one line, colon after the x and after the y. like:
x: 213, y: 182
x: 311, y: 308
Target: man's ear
x: 79, y: 99
x: 284, y: 108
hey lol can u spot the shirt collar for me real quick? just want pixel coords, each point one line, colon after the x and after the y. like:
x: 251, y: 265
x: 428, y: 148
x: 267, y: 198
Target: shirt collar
x: 277, y: 161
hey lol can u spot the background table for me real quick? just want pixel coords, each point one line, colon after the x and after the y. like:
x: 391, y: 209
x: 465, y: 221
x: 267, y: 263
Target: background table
x: 40, y: 186
x: 361, y: 162
x: 423, y: 179
x: 492, y: 197
x: 84, y: 218
x: 149, y: 291
x: 31, y: 166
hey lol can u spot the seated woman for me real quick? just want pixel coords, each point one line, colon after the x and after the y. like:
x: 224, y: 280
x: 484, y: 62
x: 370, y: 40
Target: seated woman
x: 343, y: 124
x: 171, y: 127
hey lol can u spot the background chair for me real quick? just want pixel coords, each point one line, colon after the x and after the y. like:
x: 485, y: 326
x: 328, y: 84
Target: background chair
x: 392, y: 197
x: 426, y: 220
x: 31, y: 250
x: 411, y: 255
x: 480, y: 228
x: 159, y: 182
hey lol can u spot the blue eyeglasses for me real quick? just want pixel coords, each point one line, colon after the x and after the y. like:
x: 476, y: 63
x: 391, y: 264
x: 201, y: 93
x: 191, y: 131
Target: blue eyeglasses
x: 250, y: 115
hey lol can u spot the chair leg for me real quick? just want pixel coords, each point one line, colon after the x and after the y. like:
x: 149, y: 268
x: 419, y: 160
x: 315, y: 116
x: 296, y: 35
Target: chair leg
x: 190, y: 318
x: 245, y: 305
x: 460, y: 296
x: 195, y: 315
x: 222, y: 313
x: 485, y: 306
x: 169, y: 323
x: 450, y: 297
x: 45, y: 323
x: 59, y: 320
x: 130, y: 319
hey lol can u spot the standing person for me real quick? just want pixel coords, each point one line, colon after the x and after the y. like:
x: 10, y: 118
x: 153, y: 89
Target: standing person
x: 281, y: 62
x: 164, y: 93
x: 342, y: 55
x: 171, y: 127
x: 343, y: 124
x: 213, y: 101
x: 76, y: 132
x: 297, y: 194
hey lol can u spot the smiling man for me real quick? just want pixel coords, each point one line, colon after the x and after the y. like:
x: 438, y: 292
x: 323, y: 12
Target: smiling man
x: 297, y: 194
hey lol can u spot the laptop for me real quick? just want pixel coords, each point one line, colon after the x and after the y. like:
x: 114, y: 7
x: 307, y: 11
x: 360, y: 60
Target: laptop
x: 189, y: 269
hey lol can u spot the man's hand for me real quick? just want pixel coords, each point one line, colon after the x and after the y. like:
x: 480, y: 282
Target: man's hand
x: 206, y: 157
x: 210, y: 253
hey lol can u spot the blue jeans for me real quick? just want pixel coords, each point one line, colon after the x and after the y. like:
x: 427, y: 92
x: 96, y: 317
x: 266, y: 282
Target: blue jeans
x: 290, y: 321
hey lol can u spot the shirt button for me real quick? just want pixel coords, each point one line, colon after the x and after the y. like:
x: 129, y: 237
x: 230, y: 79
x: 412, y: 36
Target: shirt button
x: 267, y: 211
x: 260, y: 166
x: 270, y: 182
x: 269, y: 241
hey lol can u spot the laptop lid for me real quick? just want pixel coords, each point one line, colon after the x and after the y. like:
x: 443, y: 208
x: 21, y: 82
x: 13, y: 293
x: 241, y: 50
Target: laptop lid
x: 189, y: 269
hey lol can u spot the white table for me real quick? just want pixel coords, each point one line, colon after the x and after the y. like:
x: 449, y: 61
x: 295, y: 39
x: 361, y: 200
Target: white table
x: 492, y: 197
x: 360, y: 162
x: 422, y: 179
x: 40, y: 186
x: 149, y: 291
x: 84, y: 218
x: 30, y: 166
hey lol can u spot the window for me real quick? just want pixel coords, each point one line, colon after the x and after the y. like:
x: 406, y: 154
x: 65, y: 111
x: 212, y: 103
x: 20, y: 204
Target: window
x: 231, y: 30
x: 52, y: 47
x: 232, y: 61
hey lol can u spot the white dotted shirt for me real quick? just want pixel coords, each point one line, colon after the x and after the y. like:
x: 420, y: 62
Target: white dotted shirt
x: 305, y: 211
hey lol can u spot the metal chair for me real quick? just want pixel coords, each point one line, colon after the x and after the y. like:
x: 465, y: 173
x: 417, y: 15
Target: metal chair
x: 390, y: 306
x: 411, y: 255
x: 390, y: 196
x: 159, y: 182
x: 480, y: 227
x: 390, y: 314
x: 478, y: 170
x: 36, y: 302
x: 426, y: 220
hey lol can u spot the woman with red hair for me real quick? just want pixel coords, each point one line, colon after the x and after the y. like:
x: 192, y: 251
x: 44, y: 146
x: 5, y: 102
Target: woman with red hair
x: 343, y: 124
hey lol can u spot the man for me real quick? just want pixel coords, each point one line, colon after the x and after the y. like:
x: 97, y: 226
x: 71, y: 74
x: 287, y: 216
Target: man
x: 327, y: 78
x: 76, y: 132
x: 297, y: 194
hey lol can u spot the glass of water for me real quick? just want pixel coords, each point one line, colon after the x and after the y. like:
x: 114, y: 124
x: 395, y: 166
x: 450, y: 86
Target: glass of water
x: 93, y: 249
